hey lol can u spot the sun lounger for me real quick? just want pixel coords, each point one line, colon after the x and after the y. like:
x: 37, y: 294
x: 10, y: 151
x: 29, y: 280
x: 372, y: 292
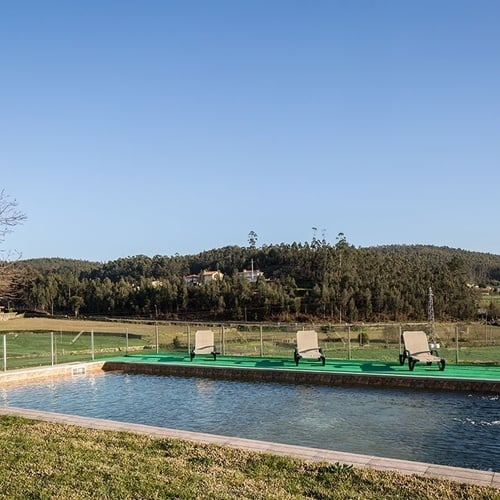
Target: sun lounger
x: 307, y: 347
x: 416, y: 348
x: 204, y: 344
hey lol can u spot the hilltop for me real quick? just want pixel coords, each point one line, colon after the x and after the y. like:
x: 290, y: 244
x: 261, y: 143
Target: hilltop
x: 288, y: 282
x: 482, y: 268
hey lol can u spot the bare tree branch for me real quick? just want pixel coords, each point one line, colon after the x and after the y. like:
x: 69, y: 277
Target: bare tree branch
x: 10, y: 272
x: 10, y: 216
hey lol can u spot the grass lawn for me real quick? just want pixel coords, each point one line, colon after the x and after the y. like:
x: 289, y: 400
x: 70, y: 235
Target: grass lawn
x: 27, y: 348
x: 75, y: 325
x: 29, y: 339
x: 46, y: 460
x: 486, y: 300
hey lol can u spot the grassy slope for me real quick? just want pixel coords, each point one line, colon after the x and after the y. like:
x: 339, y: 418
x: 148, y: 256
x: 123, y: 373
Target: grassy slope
x: 46, y: 460
x: 75, y: 325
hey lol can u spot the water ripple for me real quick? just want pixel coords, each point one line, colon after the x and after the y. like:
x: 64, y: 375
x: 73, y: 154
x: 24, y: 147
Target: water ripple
x: 445, y: 428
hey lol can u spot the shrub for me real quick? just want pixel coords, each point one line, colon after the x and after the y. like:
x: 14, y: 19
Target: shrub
x: 363, y: 338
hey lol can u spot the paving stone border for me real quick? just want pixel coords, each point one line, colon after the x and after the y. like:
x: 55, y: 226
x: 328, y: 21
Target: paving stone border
x: 462, y: 475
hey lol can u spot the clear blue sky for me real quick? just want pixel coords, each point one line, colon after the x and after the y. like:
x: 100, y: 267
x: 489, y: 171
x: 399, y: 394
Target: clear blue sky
x: 163, y: 127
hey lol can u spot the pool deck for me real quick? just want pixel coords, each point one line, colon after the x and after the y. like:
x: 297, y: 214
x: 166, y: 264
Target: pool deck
x: 470, y: 378
x: 473, y: 378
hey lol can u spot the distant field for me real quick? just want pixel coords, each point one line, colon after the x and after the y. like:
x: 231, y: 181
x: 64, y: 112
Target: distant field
x: 30, y: 340
x: 57, y: 324
x: 147, y: 329
x: 487, y: 299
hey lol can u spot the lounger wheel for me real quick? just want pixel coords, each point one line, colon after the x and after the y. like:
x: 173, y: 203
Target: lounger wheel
x: 411, y: 363
x: 296, y: 357
x: 442, y: 364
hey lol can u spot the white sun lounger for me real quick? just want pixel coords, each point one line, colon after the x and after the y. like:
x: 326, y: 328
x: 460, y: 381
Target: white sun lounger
x: 204, y: 344
x: 416, y: 348
x: 307, y: 347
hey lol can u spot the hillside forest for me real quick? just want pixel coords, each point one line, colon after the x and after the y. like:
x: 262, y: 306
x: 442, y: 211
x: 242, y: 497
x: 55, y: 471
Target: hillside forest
x: 292, y: 282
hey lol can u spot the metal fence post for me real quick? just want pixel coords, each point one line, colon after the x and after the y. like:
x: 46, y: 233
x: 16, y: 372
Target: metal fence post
x: 456, y: 343
x: 223, y: 350
x: 157, y: 338
x: 261, y: 343
x: 52, y: 348
x: 5, y: 353
x: 349, y: 342
x: 92, y: 344
x: 126, y: 342
x: 400, y: 335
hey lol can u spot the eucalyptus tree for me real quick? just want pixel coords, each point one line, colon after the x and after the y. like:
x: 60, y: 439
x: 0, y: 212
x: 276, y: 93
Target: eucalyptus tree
x: 76, y: 302
x: 252, y: 239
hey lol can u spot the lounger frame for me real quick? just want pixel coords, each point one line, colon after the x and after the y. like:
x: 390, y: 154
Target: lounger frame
x: 416, y: 349
x: 204, y: 344
x: 307, y: 347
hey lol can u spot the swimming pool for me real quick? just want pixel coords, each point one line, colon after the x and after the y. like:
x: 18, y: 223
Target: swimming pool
x: 437, y: 427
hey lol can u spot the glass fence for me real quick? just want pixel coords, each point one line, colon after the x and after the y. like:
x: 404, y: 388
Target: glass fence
x: 458, y: 343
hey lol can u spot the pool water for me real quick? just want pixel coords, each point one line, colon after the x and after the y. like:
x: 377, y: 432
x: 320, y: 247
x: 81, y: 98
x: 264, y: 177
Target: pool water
x: 446, y: 428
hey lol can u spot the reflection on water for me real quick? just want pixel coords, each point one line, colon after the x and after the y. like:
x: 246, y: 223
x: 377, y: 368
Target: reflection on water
x: 438, y: 427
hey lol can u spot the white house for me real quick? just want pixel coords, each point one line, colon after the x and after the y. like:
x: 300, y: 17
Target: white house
x: 251, y: 274
x: 204, y: 277
x: 207, y: 276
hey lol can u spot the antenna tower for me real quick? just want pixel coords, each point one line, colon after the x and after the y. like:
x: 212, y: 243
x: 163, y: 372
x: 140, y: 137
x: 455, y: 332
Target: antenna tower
x: 430, y: 310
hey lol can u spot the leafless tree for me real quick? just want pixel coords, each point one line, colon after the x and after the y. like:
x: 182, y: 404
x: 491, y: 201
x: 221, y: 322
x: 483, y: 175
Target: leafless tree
x: 10, y: 273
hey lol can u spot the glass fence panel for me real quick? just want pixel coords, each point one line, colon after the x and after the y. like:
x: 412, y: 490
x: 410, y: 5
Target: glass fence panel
x: 458, y: 343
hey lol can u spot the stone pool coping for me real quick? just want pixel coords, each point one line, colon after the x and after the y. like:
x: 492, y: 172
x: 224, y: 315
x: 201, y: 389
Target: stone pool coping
x: 41, y: 373
x: 325, y: 376
x: 431, y: 471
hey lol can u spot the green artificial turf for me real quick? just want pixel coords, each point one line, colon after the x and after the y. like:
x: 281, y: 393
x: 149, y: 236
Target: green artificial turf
x: 460, y: 371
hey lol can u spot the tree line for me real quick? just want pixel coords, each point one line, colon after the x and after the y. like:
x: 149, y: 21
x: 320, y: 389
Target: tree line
x: 301, y: 282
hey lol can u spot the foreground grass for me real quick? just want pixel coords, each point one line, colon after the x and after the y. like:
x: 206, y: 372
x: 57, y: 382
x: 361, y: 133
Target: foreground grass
x: 55, y: 461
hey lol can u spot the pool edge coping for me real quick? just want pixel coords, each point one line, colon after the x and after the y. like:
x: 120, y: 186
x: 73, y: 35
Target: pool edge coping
x: 406, y: 467
x: 292, y: 376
